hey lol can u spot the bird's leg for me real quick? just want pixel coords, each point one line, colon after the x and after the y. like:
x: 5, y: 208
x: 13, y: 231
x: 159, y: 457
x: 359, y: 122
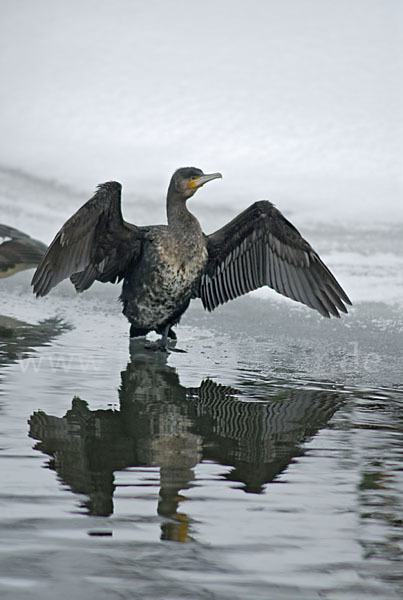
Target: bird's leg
x: 162, y: 344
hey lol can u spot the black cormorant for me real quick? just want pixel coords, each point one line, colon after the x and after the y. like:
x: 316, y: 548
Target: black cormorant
x: 18, y: 251
x: 164, y: 266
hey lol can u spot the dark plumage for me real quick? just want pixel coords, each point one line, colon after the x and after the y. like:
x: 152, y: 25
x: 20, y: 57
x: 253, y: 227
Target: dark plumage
x: 164, y: 266
x: 18, y: 251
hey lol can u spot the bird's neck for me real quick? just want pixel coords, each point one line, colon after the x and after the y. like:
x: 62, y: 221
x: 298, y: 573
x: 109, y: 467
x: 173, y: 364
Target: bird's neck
x: 180, y: 219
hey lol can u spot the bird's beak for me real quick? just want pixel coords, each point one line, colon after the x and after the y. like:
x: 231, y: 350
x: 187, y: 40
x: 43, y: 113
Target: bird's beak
x: 196, y: 183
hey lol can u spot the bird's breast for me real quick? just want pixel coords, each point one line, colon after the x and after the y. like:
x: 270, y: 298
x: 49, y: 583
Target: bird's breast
x: 182, y: 259
x: 162, y: 289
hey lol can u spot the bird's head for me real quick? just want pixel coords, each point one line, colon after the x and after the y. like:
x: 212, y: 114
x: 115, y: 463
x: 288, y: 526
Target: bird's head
x: 187, y: 180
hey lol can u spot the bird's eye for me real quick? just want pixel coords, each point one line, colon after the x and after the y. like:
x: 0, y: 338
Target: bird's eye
x: 193, y: 178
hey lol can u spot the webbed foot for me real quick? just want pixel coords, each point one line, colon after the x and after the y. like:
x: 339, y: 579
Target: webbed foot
x: 178, y: 350
x: 161, y: 347
x: 157, y: 347
x: 162, y: 344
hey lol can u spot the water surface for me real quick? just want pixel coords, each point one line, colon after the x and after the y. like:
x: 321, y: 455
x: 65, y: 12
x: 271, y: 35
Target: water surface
x: 264, y: 462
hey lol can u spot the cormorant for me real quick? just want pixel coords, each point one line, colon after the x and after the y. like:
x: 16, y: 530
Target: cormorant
x: 164, y: 266
x: 18, y: 251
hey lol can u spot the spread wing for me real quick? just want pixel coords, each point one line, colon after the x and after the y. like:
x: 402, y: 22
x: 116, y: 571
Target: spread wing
x: 95, y: 243
x: 18, y: 251
x: 261, y: 247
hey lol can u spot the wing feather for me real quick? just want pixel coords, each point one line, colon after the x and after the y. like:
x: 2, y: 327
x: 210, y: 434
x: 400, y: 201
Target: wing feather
x: 18, y: 251
x: 95, y: 243
x: 261, y: 247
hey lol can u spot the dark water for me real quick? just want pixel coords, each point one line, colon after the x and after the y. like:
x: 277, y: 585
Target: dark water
x: 266, y: 462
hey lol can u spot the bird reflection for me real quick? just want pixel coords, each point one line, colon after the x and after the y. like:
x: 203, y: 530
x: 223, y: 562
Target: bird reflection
x: 164, y: 424
x: 19, y: 339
